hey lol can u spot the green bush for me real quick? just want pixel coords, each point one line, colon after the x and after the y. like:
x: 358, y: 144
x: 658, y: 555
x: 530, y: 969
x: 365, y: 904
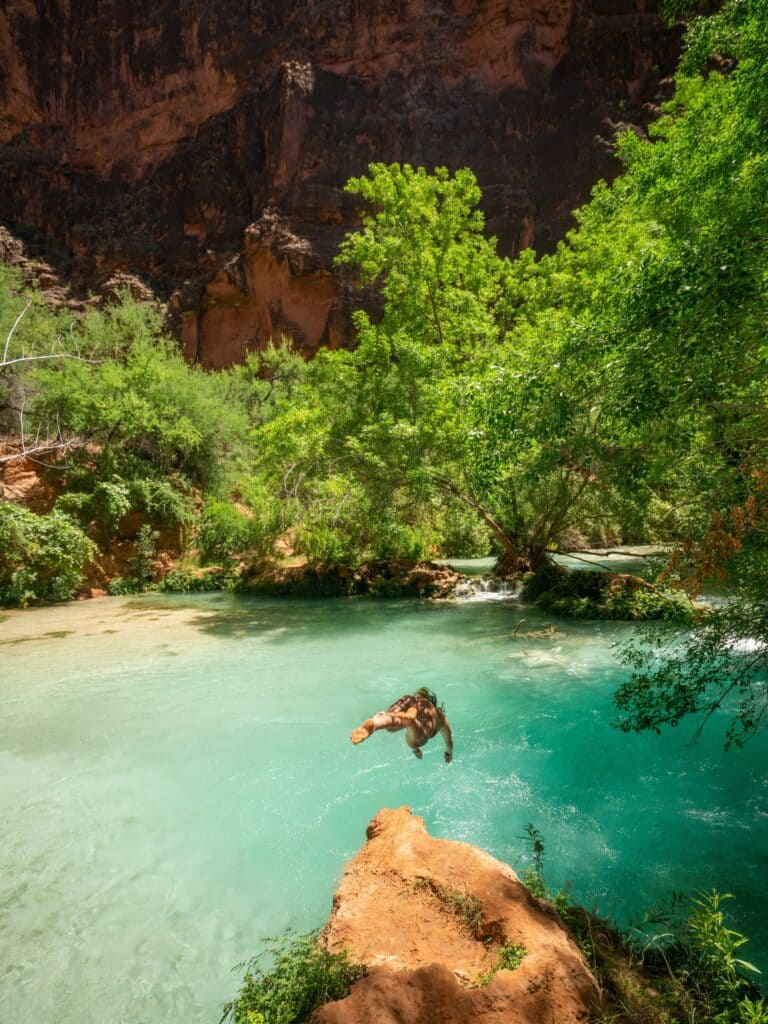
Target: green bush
x: 106, y: 501
x: 588, y: 594
x: 142, y: 561
x: 106, y: 504
x: 226, y: 531
x: 121, y: 586
x: 42, y: 558
x: 323, y: 545
x: 397, y: 540
x: 141, y: 564
x: 687, y: 938
x: 665, y: 605
x: 682, y: 952
x: 303, y: 976
x: 184, y: 581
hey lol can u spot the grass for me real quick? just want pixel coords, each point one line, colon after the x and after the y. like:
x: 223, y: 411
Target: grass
x: 303, y: 976
x: 462, y: 904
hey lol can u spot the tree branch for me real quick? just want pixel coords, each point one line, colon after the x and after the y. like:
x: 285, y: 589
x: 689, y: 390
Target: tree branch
x: 52, y: 355
x: 487, y: 518
x: 16, y: 323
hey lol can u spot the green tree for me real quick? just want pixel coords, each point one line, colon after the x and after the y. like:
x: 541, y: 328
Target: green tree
x: 454, y: 402
x: 698, y: 363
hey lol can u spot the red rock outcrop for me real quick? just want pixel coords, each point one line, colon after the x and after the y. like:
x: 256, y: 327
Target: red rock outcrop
x: 394, y: 911
x: 205, y: 147
x: 26, y: 480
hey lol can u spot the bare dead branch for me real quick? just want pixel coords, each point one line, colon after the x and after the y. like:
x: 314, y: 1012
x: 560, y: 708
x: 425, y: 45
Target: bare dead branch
x: 51, y: 355
x: 44, y: 449
x: 16, y: 323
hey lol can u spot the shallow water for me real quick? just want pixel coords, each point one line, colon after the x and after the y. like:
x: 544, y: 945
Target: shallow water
x: 177, y: 782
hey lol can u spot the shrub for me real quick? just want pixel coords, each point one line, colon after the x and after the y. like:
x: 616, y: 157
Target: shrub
x: 226, y: 531
x: 303, y: 976
x: 108, y: 500
x: 699, y: 951
x: 160, y: 500
x: 323, y: 545
x: 184, y: 581
x: 121, y: 586
x: 679, y: 963
x: 588, y: 594
x: 42, y: 558
x: 665, y: 605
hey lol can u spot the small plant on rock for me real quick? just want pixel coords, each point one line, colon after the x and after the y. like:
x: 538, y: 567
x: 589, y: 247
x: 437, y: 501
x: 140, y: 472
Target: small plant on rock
x: 509, y: 959
x: 462, y: 904
x: 303, y: 976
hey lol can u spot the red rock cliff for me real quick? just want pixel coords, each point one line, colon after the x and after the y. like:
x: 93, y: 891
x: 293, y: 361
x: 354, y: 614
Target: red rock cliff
x: 395, y: 912
x: 204, y: 146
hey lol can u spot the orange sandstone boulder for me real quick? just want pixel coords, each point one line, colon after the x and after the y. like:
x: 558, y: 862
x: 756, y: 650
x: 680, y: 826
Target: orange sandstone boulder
x: 428, y: 917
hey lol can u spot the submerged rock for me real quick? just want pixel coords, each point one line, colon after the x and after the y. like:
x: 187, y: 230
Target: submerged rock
x: 429, y: 918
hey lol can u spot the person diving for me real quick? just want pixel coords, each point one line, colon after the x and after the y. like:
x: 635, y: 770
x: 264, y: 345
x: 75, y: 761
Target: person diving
x: 421, y: 717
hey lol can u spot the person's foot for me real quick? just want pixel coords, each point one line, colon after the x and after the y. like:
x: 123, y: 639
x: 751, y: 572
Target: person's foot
x: 362, y: 732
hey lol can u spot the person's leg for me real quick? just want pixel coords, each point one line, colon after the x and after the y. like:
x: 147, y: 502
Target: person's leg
x: 414, y: 737
x: 393, y: 721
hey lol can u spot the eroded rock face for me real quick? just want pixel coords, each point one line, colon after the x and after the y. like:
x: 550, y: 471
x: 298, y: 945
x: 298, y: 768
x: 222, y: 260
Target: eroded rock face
x: 395, y: 912
x: 205, y: 146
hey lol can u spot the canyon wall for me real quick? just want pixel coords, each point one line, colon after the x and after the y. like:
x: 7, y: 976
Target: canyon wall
x: 203, y: 147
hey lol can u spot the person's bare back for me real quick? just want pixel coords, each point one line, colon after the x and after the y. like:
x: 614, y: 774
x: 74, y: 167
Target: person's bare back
x: 420, y: 716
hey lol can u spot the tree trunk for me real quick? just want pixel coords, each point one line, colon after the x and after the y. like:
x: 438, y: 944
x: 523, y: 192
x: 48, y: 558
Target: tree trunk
x: 510, y: 564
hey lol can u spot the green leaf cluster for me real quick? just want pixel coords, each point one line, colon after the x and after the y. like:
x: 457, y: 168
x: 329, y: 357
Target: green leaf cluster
x: 42, y: 558
x: 302, y: 976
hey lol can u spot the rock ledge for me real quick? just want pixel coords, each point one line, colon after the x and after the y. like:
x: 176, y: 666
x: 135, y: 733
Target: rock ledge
x: 395, y: 911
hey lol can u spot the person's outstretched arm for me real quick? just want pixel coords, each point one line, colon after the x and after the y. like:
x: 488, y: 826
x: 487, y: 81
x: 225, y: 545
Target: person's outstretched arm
x: 392, y: 720
x: 445, y: 729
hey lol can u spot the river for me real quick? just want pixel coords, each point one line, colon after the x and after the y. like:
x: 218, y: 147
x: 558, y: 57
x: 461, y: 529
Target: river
x: 177, y: 782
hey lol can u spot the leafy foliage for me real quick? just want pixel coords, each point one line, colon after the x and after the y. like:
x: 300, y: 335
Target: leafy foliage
x: 134, y: 428
x: 719, y: 669
x: 42, y: 558
x: 683, y: 948
x: 509, y: 959
x: 688, y: 937
x: 302, y: 977
x: 227, y: 531
x: 587, y: 594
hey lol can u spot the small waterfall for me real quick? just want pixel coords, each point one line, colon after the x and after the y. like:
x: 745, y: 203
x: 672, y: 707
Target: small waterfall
x: 485, y: 588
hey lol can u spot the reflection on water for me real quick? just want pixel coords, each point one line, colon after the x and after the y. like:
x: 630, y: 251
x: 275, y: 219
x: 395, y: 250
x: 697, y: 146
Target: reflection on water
x: 178, y: 781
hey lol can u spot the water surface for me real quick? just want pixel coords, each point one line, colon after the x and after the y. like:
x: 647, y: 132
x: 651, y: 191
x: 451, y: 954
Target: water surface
x: 177, y: 781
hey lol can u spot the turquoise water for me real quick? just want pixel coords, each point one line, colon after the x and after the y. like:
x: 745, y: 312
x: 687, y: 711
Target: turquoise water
x: 177, y: 781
